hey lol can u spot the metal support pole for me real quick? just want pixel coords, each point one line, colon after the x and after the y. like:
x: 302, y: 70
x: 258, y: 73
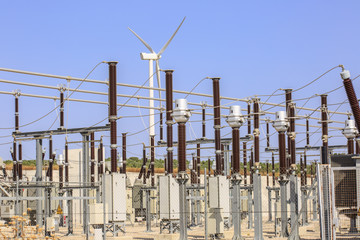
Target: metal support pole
x: 283, y: 181
x: 269, y: 204
x: 85, y: 160
x: 148, y: 213
x: 62, y: 89
x: 294, y: 235
x: 250, y: 211
x: 70, y: 213
x: 206, y: 203
x: 39, y: 191
x: 92, y: 158
x: 152, y: 161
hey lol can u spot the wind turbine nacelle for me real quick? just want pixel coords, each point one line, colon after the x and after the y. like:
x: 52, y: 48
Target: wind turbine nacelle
x: 148, y: 56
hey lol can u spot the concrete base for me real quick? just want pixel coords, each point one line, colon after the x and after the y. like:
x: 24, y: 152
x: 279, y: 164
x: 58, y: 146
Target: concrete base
x: 122, y: 237
x: 167, y: 236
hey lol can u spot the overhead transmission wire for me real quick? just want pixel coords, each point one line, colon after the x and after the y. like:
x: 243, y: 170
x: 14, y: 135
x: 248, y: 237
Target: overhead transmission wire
x: 196, y: 86
x: 82, y: 81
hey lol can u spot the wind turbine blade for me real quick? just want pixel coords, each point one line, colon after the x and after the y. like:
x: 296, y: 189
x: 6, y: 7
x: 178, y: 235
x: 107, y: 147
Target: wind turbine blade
x: 146, y: 45
x: 158, y: 78
x: 168, y: 42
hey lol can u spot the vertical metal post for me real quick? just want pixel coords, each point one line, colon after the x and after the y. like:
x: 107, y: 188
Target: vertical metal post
x: 169, y: 119
x: 217, y: 124
x: 70, y: 213
x: 288, y: 99
x: 85, y: 160
x: 258, y: 235
x: 283, y: 181
x: 235, y: 181
x: 161, y: 126
x: 206, y: 203
x: 39, y: 191
x: 14, y: 161
x: 273, y: 168
x: 113, y: 114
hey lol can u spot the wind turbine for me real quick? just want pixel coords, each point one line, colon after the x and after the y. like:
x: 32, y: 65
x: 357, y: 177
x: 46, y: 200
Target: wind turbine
x: 153, y: 56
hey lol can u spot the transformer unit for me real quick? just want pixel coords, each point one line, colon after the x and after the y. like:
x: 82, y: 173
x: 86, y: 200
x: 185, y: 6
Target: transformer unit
x: 169, y: 207
x: 115, y: 196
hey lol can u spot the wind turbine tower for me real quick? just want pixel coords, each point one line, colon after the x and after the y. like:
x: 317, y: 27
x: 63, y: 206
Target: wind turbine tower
x: 151, y: 57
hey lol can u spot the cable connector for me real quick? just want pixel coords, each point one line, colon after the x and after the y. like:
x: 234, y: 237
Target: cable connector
x: 345, y: 74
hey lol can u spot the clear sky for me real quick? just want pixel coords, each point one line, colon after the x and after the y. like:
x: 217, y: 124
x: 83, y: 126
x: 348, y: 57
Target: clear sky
x: 255, y: 47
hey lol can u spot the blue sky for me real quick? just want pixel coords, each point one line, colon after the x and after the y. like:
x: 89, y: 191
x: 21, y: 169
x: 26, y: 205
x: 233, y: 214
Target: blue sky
x: 255, y: 47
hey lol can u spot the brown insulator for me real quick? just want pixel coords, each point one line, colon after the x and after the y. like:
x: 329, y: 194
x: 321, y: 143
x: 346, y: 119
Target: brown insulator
x: 292, y: 138
x: 357, y: 147
x: 20, y: 161
x: 245, y: 162
x: 124, y: 153
x: 217, y: 124
x: 267, y: 135
x: 169, y: 120
x: 324, y: 123
x: 203, y: 121
x: 51, y: 159
x: 307, y: 133
x: 256, y: 130
x: 353, y: 101
x: 100, y: 157
x: 61, y: 109
x: 209, y: 167
x: 161, y: 127
x: 350, y: 145
x: 236, y: 151
x: 66, y: 163
x: 113, y: 114
x: 15, y: 166
x: 92, y: 158
x: 288, y: 100
x: 16, y: 113
x: 152, y: 160
x: 182, y: 147
x: 282, y: 153
x: 198, y: 164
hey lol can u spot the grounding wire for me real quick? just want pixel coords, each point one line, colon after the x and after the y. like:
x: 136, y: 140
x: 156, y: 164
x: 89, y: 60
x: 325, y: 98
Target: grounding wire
x: 196, y: 86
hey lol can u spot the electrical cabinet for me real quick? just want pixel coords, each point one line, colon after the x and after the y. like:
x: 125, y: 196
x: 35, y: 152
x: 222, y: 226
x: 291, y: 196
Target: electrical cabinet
x: 97, y: 213
x: 219, y: 194
x: 115, y: 196
x: 169, y: 206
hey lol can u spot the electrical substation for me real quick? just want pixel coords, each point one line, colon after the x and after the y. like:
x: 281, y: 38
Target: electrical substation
x: 268, y: 178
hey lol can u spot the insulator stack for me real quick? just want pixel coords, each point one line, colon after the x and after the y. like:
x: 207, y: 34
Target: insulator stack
x: 217, y: 125
x: 267, y: 173
x: 182, y: 147
x: 152, y: 160
x: 124, y: 153
x: 92, y: 158
x: 288, y: 99
x: 20, y: 162
x: 113, y: 115
x: 204, y: 121
x: 62, y: 108
x: 236, y: 150
x: 251, y: 171
x: 66, y: 164
x: 15, y: 166
x: 273, y: 168
x: 161, y: 126
x: 51, y: 159
x: 256, y: 130
x: 169, y: 120
x: 353, y: 101
x: 245, y: 162
x: 198, y: 151
x: 324, y: 123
